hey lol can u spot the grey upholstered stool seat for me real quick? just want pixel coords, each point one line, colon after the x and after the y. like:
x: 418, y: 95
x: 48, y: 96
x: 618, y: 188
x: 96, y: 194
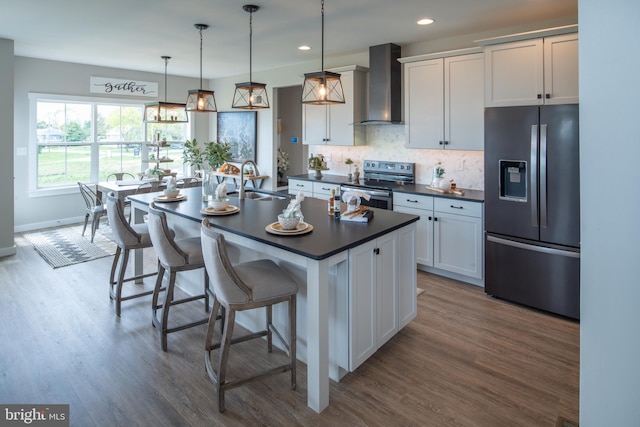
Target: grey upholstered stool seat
x: 174, y: 255
x: 244, y: 286
x: 127, y: 237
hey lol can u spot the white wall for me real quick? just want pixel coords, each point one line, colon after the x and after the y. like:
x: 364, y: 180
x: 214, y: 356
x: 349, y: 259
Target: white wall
x: 7, y: 247
x: 610, y: 218
x: 52, y: 77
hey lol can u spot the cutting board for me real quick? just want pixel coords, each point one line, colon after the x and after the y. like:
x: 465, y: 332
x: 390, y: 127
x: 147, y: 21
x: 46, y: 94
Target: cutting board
x: 449, y: 191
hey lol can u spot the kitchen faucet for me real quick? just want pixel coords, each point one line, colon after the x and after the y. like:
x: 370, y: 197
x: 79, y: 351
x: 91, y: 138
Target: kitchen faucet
x: 255, y: 170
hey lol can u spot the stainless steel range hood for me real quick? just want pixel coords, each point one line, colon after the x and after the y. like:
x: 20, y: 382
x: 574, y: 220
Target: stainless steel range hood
x: 385, y: 85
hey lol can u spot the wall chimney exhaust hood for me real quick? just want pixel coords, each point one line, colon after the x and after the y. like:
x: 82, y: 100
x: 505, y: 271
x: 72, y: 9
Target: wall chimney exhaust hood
x: 385, y: 85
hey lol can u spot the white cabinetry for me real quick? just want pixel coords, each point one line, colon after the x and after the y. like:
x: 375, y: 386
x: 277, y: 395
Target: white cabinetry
x: 382, y: 296
x: 333, y: 124
x: 444, y: 100
x: 449, y: 234
x: 297, y: 185
x: 532, y: 72
x: 322, y: 190
x: 457, y: 236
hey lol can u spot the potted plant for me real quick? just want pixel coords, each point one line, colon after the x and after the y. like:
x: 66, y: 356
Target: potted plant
x: 217, y: 153
x: 193, y: 154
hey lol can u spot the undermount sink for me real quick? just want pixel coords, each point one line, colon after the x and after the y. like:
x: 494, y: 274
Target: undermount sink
x: 257, y: 195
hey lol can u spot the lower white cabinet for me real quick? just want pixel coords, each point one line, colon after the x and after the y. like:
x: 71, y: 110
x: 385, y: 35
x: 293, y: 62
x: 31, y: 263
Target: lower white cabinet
x: 319, y: 190
x: 449, y: 233
x: 382, y: 296
x: 297, y: 185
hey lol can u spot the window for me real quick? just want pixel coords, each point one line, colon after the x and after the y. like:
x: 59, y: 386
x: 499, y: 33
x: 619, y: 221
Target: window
x: 87, y: 139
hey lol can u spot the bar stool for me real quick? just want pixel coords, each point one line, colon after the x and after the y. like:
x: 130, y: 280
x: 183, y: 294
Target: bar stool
x: 127, y: 237
x: 244, y: 286
x: 174, y: 255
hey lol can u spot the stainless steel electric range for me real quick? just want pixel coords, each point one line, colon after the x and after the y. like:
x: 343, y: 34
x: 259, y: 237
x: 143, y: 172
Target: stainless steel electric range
x: 379, y: 180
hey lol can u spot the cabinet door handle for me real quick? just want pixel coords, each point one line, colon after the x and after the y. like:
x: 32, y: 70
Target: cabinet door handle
x: 299, y: 185
x: 446, y: 143
x: 412, y: 201
x: 548, y: 96
x: 430, y: 218
x: 456, y: 207
x: 376, y: 251
x: 441, y: 142
x: 326, y: 189
x: 539, y: 96
x: 435, y: 218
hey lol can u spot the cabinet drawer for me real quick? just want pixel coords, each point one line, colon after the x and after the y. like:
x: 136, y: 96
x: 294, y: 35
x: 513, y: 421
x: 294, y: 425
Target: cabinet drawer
x: 297, y: 185
x: 413, y: 201
x: 458, y: 207
x: 322, y: 190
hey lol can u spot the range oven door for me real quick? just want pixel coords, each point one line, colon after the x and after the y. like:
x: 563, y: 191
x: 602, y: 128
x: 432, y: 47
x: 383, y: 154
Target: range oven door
x: 382, y: 199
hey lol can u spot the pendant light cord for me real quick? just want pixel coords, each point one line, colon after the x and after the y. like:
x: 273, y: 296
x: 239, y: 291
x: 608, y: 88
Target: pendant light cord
x: 250, y: 46
x: 322, y: 43
x: 200, y: 57
x: 166, y: 61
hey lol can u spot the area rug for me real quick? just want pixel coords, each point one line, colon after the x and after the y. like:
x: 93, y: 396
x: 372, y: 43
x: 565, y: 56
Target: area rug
x: 63, y: 246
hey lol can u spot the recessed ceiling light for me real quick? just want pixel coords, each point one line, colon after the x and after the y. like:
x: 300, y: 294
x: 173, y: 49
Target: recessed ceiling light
x: 304, y: 47
x: 425, y: 21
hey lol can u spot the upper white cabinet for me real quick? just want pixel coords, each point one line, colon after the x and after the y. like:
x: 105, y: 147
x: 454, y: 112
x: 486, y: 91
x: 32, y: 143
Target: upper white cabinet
x: 534, y: 71
x: 444, y: 100
x: 333, y: 124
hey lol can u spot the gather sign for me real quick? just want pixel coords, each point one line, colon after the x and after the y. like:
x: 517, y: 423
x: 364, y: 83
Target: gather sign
x: 111, y: 86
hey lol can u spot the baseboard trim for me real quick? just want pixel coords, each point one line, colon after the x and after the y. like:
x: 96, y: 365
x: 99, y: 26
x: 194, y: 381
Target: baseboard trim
x: 47, y: 224
x: 11, y: 250
x: 450, y: 275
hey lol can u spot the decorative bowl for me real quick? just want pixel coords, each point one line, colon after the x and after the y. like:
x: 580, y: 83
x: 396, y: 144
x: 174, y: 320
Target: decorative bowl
x: 171, y: 194
x: 219, y: 205
x: 288, y: 223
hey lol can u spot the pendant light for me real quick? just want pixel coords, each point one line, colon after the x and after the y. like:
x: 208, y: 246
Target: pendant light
x: 323, y: 87
x: 250, y: 95
x: 165, y: 112
x: 200, y: 100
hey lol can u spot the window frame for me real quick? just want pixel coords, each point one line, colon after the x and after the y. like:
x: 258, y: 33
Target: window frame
x: 35, y: 97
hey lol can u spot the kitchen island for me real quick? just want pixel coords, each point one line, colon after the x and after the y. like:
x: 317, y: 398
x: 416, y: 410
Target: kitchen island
x: 360, y: 277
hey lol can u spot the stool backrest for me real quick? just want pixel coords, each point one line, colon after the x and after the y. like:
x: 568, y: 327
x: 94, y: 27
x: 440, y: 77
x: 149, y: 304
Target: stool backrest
x: 120, y: 228
x: 227, y: 286
x: 161, y: 236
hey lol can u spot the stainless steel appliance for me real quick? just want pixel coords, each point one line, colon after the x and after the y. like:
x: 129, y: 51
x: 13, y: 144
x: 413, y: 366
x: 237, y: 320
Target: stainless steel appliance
x: 379, y: 179
x: 532, y: 215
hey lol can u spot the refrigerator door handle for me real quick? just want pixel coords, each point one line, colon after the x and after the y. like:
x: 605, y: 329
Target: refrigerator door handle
x: 545, y: 250
x: 543, y: 176
x: 533, y: 174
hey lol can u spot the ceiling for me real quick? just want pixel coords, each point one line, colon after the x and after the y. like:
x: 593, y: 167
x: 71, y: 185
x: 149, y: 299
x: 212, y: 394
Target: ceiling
x: 135, y: 34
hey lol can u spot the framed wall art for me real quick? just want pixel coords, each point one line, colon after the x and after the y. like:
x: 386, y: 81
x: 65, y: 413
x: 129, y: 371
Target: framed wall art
x: 239, y: 129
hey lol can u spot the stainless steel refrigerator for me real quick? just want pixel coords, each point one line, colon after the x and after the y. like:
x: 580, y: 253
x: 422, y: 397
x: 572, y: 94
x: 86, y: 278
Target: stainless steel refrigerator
x: 532, y: 207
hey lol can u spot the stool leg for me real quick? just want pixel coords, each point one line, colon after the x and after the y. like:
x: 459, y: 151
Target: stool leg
x: 269, y: 326
x: 224, y: 356
x: 292, y: 339
x: 112, y: 275
x: 168, y: 298
x: 123, y: 267
x: 156, y: 295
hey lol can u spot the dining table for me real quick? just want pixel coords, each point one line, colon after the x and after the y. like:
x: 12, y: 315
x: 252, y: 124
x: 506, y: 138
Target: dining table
x: 321, y: 250
x: 127, y: 187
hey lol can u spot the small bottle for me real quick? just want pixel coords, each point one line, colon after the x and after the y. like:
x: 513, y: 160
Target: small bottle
x: 336, y: 204
x: 330, y: 202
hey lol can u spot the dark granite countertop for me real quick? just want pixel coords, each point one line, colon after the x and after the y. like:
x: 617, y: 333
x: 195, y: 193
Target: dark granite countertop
x: 471, y: 195
x: 328, y: 237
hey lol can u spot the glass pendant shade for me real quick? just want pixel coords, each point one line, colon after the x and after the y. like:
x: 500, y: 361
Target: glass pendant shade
x: 250, y: 95
x: 323, y: 87
x: 200, y: 100
x: 165, y: 112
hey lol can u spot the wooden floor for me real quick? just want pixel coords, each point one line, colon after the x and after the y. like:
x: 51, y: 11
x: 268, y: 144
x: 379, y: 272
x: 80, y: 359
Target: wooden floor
x: 466, y: 360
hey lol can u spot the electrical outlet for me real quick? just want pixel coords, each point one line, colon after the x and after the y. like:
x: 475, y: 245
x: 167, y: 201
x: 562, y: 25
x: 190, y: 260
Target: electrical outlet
x: 460, y: 165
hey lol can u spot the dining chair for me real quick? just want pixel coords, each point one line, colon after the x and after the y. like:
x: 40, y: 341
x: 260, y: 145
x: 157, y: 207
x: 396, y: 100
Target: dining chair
x: 244, y: 286
x: 187, y: 182
x: 174, y: 256
x: 119, y: 176
x: 127, y: 237
x: 149, y: 187
x: 95, y: 209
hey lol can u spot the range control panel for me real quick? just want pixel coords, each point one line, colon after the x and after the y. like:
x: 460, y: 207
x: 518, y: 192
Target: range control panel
x: 389, y: 167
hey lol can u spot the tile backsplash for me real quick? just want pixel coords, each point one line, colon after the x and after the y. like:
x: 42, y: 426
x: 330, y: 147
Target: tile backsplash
x: 386, y: 142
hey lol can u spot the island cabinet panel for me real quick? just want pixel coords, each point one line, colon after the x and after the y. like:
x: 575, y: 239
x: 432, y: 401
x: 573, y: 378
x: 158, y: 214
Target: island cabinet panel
x: 422, y: 206
x: 374, y: 307
x: 407, y: 275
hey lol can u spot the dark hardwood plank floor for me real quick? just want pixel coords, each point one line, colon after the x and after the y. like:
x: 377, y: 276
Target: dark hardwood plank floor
x: 467, y: 360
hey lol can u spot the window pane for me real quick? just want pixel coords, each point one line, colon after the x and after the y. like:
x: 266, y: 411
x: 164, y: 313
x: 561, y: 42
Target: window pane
x: 119, y: 158
x: 60, y: 165
x: 68, y: 122
x: 120, y: 123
